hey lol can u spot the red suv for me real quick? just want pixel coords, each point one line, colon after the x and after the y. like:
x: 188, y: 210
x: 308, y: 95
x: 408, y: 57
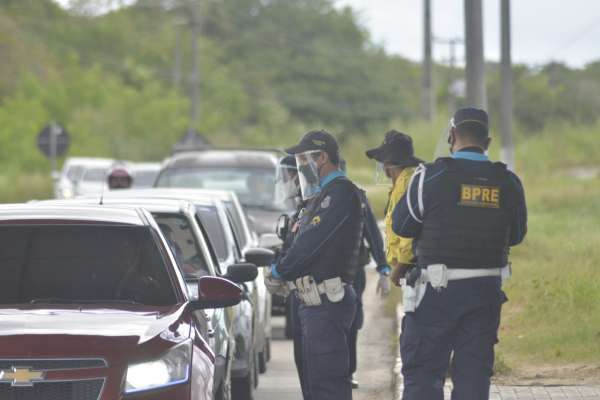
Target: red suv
x: 93, y: 307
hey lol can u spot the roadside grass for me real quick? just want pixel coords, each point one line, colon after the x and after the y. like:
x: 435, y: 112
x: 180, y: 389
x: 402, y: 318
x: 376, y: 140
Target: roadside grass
x: 16, y: 188
x: 553, y: 314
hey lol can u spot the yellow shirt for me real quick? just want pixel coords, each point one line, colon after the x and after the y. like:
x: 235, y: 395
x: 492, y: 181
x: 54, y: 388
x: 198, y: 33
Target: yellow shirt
x: 398, y: 249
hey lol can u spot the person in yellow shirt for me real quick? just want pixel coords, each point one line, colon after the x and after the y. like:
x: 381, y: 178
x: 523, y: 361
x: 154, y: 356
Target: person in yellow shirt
x: 396, y: 161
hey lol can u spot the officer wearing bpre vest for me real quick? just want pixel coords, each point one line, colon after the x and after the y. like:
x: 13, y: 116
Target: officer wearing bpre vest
x: 464, y: 213
x: 321, y: 263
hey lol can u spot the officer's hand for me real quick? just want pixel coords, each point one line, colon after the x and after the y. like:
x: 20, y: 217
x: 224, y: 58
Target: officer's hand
x: 275, y: 286
x: 398, y: 273
x: 383, y: 285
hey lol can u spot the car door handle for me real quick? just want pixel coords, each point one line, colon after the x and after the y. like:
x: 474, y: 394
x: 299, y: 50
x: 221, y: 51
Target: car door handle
x: 211, y: 333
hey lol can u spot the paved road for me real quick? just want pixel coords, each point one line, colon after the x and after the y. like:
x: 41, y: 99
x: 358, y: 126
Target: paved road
x: 376, y: 357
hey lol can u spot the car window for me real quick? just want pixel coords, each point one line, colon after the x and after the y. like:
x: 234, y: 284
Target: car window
x: 94, y: 175
x: 209, y: 218
x: 255, y: 187
x: 74, y: 172
x: 82, y: 264
x: 143, y: 179
x: 185, y: 248
x: 236, y: 224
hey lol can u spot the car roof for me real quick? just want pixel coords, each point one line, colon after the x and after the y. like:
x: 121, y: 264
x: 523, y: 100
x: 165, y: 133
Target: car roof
x: 65, y: 214
x: 145, y: 166
x: 224, y: 158
x: 196, y: 196
x: 87, y: 160
x: 150, y: 204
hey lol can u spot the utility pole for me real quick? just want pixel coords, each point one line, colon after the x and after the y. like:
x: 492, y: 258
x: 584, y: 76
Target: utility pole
x: 452, y: 43
x: 475, y: 68
x: 427, y: 96
x: 507, y: 153
x: 194, y: 6
x: 177, y: 59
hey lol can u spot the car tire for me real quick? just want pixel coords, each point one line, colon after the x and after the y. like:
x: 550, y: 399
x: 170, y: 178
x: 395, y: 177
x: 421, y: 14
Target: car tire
x: 256, y: 368
x: 224, y: 392
x: 268, y: 349
x: 262, y: 360
x: 243, y: 388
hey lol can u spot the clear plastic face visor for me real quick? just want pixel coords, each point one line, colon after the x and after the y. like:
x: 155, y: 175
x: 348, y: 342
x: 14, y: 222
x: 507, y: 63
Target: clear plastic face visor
x: 382, y: 177
x: 287, y: 186
x: 308, y: 173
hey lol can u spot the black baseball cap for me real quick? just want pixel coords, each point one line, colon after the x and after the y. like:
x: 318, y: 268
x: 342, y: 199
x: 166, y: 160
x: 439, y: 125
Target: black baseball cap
x: 397, y: 148
x: 316, y: 140
x: 474, y: 119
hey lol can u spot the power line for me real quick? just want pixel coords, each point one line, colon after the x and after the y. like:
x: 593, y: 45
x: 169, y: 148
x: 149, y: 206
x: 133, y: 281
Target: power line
x: 575, y: 38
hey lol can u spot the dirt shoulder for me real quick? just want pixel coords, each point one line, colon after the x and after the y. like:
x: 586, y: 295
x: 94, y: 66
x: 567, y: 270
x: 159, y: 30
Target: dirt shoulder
x: 376, y: 348
x: 567, y: 375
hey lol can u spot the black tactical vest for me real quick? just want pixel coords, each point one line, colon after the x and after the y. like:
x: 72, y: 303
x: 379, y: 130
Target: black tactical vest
x: 341, y: 258
x: 468, y: 224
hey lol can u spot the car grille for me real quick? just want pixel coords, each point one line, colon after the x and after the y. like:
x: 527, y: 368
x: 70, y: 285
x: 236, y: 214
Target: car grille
x: 75, y: 390
x: 54, y: 364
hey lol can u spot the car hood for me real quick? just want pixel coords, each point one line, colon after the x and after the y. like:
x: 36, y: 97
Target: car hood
x: 114, y: 334
x: 263, y: 221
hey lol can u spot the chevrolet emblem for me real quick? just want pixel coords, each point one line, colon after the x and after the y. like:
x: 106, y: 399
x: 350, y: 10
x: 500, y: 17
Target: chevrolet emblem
x: 21, y: 376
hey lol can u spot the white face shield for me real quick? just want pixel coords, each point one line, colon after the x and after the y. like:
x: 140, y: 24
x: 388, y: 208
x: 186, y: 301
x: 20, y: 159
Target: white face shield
x: 308, y: 173
x: 287, y: 187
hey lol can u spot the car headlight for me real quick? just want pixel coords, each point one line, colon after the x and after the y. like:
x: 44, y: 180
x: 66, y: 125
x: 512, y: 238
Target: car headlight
x: 171, y: 369
x: 67, y: 193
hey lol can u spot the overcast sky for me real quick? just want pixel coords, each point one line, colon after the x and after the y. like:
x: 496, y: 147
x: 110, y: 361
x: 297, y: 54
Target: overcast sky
x: 543, y: 30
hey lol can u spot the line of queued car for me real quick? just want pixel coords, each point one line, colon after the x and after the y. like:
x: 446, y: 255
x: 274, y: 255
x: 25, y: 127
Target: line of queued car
x: 149, y: 293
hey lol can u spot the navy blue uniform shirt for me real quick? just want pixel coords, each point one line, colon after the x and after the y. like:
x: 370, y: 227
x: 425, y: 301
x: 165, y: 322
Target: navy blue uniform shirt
x: 405, y: 225
x: 321, y: 243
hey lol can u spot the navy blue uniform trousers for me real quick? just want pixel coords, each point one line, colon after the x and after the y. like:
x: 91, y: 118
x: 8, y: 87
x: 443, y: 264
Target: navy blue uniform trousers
x: 325, y: 331
x: 461, y: 322
x: 297, y: 339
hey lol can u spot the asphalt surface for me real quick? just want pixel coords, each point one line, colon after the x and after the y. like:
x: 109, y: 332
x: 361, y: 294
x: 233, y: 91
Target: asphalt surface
x: 376, y: 356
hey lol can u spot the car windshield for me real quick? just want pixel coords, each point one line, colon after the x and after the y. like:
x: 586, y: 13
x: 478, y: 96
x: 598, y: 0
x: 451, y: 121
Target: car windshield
x: 74, y: 172
x: 209, y: 218
x: 94, y: 174
x: 82, y: 264
x: 184, y: 246
x: 144, y: 179
x: 255, y: 187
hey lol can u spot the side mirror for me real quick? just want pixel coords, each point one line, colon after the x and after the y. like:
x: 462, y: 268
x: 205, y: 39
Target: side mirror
x: 214, y: 292
x: 240, y: 273
x: 269, y: 241
x: 259, y: 256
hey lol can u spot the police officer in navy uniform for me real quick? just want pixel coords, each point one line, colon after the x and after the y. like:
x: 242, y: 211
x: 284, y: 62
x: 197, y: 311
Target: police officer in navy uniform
x: 372, y: 246
x: 288, y: 185
x: 321, y: 264
x: 464, y: 212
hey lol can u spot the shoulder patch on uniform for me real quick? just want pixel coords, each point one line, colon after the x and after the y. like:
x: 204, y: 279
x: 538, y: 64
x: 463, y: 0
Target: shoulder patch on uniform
x: 479, y: 196
x: 315, y: 221
x: 326, y: 202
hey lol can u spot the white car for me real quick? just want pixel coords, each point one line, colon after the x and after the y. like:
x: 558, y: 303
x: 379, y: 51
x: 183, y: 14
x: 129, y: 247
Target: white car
x: 67, y: 183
